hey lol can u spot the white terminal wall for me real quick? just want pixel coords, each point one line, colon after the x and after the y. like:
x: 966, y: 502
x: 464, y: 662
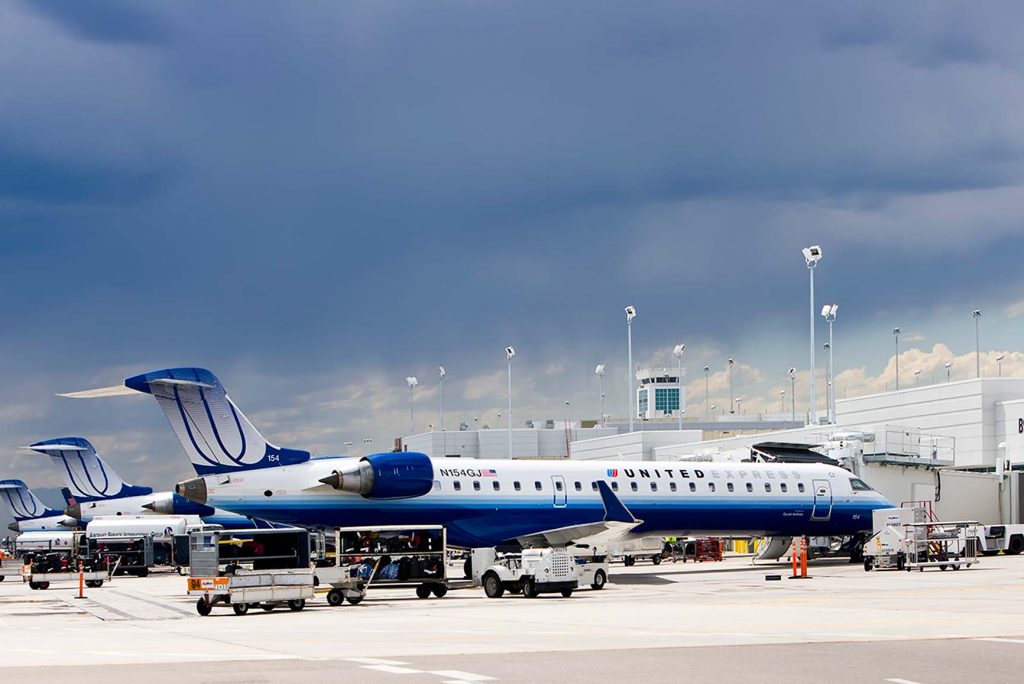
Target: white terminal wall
x: 529, y: 443
x: 632, y: 446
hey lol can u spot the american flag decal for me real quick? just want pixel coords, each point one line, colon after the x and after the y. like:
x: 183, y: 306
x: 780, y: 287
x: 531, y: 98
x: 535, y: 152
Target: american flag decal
x: 488, y: 473
x: 613, y: 472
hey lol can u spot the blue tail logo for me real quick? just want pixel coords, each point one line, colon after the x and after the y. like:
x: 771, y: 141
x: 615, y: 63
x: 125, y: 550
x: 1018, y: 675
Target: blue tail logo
x: 23, y: 503
x: 88, y: 476
x: 216, y: 436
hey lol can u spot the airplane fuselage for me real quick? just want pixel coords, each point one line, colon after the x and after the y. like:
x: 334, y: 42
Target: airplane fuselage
x: 486, y: 503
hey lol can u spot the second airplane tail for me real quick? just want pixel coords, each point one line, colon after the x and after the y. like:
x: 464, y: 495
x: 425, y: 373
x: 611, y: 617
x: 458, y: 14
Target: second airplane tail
x: 88, y: 476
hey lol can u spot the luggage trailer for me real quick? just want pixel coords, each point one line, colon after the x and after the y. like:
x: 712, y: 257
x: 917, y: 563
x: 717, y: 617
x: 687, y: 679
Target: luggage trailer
x: 247, y: 569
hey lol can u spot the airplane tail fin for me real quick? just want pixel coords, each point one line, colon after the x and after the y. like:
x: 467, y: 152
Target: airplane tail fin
x: 216, y: 436
x: 23, y: 503
x: 88, y: 476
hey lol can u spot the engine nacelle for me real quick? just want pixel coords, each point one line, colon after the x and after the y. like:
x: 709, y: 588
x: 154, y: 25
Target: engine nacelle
x: 401, y: 475
x: 172, y: 503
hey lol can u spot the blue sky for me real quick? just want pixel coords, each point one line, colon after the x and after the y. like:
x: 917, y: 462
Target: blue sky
x: 318, y: 199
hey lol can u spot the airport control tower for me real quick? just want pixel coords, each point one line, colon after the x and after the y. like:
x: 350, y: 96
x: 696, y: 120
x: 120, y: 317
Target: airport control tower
x: 660, y: 393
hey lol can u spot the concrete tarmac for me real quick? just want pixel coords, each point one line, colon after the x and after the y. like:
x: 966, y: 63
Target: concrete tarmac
x: 704, y: 622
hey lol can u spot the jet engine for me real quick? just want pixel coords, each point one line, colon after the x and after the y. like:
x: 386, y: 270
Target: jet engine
x: 401, y: 475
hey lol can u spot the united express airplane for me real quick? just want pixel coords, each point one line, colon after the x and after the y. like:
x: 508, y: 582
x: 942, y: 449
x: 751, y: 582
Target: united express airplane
x: 492, y: 502
x: 31, y: 514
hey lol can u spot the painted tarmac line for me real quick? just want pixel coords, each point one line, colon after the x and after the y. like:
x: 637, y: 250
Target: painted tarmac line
x: 375, y: 661
x: 392, y: 669
x: 460, y: 676
x: 896, y: 680
x: 1001, y: 641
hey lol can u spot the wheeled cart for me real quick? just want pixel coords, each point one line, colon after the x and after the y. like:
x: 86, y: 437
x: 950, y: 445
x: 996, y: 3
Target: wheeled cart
x: 42, y: 580
x: 266, y: 589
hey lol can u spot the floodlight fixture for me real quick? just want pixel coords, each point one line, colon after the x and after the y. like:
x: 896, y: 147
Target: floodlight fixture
x: 599, y: 370
x: 630, y: 313
x: 441, y: 372
x: 510, y: 352
x: 812, y: 254
x: 412, y: 381
x: 678, y: 351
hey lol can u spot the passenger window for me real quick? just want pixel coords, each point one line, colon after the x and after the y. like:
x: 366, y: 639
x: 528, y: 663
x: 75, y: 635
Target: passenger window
x: 711, y: 486
x: 457, y: 485
x: 578, y: 487
x: 476, y: 485
x: 768, y: 487
x: 615, y: 486
x: 654, y: 486
x: 672, y: 486
x: 516, y: 486
x: 537, y: 485
x: 496, y: 485
x: 800, y: 486
x: 558, y: 485
x: 784, y: 487
x: 594, y: 485
x: 730, y: 486
x: 693, y: 486
x: 632, y: 485
x: 750, y: 487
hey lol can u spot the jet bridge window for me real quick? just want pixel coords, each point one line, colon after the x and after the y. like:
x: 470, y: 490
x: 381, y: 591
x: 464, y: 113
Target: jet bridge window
x: 457, y: 485
x: 476, y: 485
x: 537, y: 485
x: 859, y: 485
x: 496, y: 485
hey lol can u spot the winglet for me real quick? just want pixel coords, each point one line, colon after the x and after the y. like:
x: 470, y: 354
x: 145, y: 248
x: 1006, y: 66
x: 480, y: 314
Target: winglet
x: 614, y: 509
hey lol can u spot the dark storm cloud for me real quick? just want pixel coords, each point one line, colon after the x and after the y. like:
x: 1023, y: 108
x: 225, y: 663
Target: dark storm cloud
x: 114, y: 21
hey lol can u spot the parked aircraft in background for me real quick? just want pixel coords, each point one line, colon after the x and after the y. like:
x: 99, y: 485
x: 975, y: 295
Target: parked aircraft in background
x: 31, y: 514
x: 488, y: 503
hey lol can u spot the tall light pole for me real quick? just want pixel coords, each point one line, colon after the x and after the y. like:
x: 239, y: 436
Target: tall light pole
x: 792, y: 391
x: 782, y: 402
x: 949, y: 364
x: 739, y: 402
x: 348, y: 448
x: 828, y: 382
x: 999, y: 363
x: 917, y: 378
x: 509, y: 353
x: 829, y: 312
x: 440, y: 403
x: 976, y: 314
x: 707, y: 396
x: 630, y: 315
x: 412, y: 382
x: 678, y: 353
x: 730, y: 363
x: 599, y: 372
x: 896, y: 334
x: 812, y: 255
x: 713, y: 407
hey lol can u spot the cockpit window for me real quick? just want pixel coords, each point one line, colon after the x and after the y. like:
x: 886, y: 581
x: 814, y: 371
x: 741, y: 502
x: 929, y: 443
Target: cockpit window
x: 859, y: 485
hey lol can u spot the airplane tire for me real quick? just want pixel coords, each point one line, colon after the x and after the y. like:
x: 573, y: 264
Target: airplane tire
x: 629, y: 561
x: 599, y: 580
x: 267, y: 606
x: 297, y: 604
x: 335, y: 598
x: 240, y: 608
x: 423, y: 591
x: 656, y: 560
x: 203, y: 608
x: 33, y: 585
x: 2, y: 578
x: 530, y: 588
x: 44, y: 585
x: 566, y: 593
x: 354, y: 600
x: 869, y: 564
x: 492, y: 586
x: 439, y: 590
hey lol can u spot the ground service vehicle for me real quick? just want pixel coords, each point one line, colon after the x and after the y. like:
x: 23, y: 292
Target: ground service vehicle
x: 537, y: 571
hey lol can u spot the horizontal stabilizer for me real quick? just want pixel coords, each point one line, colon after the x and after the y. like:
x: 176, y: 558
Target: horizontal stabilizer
x: 116, y: 390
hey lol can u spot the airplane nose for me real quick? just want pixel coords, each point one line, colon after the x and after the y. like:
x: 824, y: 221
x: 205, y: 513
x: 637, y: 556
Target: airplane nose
x: 193, y: 490
x: 14, y: 527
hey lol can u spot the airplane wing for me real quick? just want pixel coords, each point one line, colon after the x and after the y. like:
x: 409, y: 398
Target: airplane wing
x: 617, y: 522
